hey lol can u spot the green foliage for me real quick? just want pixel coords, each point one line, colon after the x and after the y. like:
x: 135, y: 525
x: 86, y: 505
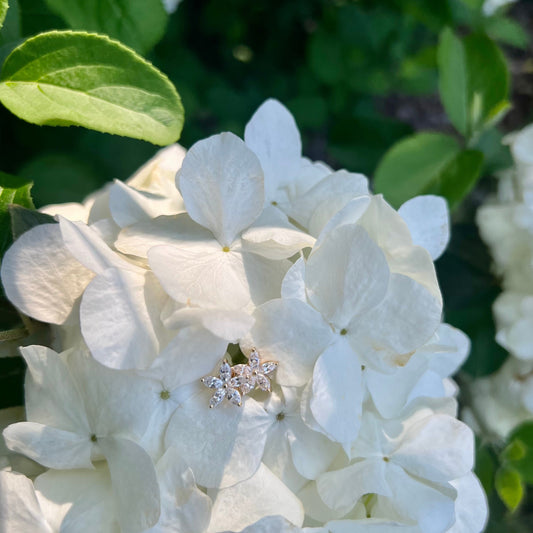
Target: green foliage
x: 521, y: 440
x: 473, y: 82
x: 507, y: 31
x: 74, y: 78
x: 485, y: 467
x: 459, y: 177
x: 139, y: 24
x: 23, y: 219
x: 3, y: 11
x: 13, y: 190
x: 509, y: 487
x: 427, y: 163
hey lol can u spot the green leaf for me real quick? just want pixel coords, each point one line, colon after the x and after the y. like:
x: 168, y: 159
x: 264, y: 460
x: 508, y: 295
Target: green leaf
x: 414, y: 166
x: 459, y: 177
x: 139, y: 24
x: 65, y: 78
x: 515, y: 451
x: 507, y: 31
x: 485, y: 467
x: 523, y: 435
x: 453, y: 82
x: 23, y: 219
x: 3, y: 11
x: 509, y: 487
x: 13, y: 190
x: 473, y: 82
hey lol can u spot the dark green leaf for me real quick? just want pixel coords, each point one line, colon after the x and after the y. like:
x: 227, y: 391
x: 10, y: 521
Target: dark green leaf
x: 453, y: 80
x: 459, y: 176
x: 74, y: 78
x: 507, y: 31
x: 3, y: 11
x: 523, y: 436
x: 23, y: 219
x: 139, y: 24
x: 509, y: 487
x: 414, y: 165
x: 13, y: 190
x: 485, y: 466
x: 473, y: 81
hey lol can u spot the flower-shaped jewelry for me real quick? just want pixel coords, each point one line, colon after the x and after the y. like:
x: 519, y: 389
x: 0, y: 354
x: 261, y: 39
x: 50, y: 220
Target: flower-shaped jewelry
x: 226, y: 386
x: 254, y: 374
x: 235, y: 382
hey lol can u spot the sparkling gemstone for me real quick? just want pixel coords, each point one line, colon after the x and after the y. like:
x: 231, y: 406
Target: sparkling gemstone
x: 225, y: 371
x: 234, y: 396
x: 217, y: 398
x: 269, y: 367
x: 263, y: 382
x: 254, y: 359
x: 212, y: 382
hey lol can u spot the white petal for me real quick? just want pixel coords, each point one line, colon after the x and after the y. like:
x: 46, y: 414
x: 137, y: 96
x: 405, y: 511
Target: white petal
x: 134, y: 483
x: 264, y: 277
x: 454, y: 346
x: 315, y: 507
x: 222, y: 446
x: 40, y: 275
x: 263, y: 494
x: 341, y: 489
x: 19, y: 509
x: 274, y: 237
x: 370, y: 525
x: 184, y: 508
x: 347, y: 275
x: 439, y: 448
x: 227, y: 324
x: 314, y: 209
x: 78, y: 501
x: 275, y: 524
x: 471, y: 508
x: 293, y: 285
x: 292, y: 333
x: 312, y: 452
x: 52, y: 397
x: 70, y: 210
x: 129, y: 206
x: 221, y: 182
x: 159, y: 173
x: 403, y: 321
x: 178, y: 230
x: 337, y: 397
x: 428, y: 220
x: 51, y: 447
x: 119, y: 317
x: 431, y: 509
x: 89, y: 249
x: 391, y: 391
x: 349, y: 214
x: 190, y: 355
x: 274, y: 137
x: 116, y: 401
x: 202, y: 275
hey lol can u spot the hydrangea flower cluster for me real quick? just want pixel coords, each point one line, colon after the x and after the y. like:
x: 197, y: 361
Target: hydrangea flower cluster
x: 286, y: 296
x: 506, y: 225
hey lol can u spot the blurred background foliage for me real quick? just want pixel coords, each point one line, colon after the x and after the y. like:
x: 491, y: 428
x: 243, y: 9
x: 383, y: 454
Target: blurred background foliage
x: 358, y: 75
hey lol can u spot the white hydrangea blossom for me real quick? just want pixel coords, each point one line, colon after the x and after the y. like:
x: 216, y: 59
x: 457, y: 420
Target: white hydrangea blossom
x: 335, y: 412
x: 504, y: 400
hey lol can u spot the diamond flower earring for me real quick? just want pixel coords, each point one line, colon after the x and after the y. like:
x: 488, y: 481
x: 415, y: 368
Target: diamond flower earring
x: 235, y: 382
